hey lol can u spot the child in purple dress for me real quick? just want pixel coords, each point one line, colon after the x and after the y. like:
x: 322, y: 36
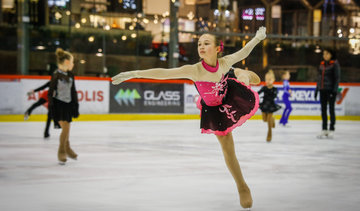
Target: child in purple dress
x: 226, y: 98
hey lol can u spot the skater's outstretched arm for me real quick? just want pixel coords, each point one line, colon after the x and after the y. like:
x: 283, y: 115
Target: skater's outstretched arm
x: 183, y: 72
x: 246, y: 76
x: 39, y: 89
x: 245, y: 51
x: 42, y: 87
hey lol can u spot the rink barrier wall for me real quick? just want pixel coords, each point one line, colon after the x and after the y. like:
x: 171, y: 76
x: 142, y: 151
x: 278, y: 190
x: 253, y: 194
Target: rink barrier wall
x: 138, y: 117
x: 98, y: 99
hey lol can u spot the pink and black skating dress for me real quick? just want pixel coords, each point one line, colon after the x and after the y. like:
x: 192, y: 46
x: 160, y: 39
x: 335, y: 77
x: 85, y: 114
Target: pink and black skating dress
x: 225, y: 105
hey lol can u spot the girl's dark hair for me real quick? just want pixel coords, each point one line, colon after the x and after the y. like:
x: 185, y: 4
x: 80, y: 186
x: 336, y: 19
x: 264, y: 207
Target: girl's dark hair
x: 332, y: 52
x: 62, y: 55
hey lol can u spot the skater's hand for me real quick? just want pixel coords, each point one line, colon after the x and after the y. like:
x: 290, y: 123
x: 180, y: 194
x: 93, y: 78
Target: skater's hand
x: 31, y: 92
x: 121, y: 77
x: 315, y: 96
x: 261, y: 33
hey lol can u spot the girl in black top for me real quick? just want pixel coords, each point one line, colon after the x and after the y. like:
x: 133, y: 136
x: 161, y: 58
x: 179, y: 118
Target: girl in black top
x: 328, y: 84
x: 268, y: 105
x: 63, y: 101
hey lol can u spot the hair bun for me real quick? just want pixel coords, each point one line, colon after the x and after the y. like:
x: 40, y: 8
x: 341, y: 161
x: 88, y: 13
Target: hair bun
x: 59, y: 52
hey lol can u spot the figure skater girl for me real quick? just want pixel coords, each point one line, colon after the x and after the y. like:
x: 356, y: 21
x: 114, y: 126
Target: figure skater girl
x: 63, y: 101
x: 286, y: 94
x: 268, y: 105
x: 226, y: 98
x: 43, y: 100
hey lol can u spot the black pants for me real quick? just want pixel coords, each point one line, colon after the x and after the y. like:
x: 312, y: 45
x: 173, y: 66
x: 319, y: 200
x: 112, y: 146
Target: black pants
x: 35, y: 105
x: 48, y: 120
x: 327, y: 97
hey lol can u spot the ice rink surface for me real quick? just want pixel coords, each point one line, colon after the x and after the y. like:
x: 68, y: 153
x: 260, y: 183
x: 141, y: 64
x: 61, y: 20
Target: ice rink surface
x: 170, y: 166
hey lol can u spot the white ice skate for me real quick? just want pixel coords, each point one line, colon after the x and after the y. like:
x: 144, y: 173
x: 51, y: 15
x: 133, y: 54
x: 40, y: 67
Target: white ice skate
x: 323, y: 134
x: 26, y: 116
x: 330, y: 134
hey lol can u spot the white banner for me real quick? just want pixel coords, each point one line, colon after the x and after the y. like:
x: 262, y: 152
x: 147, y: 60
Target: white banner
x: 10, y: 96
x: 93, y: 96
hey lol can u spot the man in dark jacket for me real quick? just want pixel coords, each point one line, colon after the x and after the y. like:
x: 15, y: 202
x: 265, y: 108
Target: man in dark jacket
x: 328, y: 84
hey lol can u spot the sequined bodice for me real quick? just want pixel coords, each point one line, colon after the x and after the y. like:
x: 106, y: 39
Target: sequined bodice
x: 208, y: 92
x: 212, y: 92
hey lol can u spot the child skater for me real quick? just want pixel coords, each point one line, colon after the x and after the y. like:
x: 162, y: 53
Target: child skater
x: 285, y: 97
x: 268, y: 105
x: 64, y: 102
x: 43, y: 100
x: 226, y: 102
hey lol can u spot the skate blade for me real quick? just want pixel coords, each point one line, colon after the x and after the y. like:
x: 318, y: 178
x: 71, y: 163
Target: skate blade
x: 62, y: 163
x: 246, y: 209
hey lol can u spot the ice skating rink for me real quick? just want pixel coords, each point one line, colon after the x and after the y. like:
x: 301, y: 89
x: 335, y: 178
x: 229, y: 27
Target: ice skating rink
x: 170, y: 166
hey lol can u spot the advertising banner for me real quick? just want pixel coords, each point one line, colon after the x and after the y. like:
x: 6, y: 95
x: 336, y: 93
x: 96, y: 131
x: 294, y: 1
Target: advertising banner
x: 302, y: 99
x: 147, y: 98
x: 191, y: 96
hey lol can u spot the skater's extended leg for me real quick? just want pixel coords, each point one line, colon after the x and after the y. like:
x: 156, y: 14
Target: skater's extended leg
x: 227, y: 145
x: 33, y: 106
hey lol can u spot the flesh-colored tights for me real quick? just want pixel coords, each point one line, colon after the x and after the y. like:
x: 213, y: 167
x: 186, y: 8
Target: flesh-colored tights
x: 227, y: 145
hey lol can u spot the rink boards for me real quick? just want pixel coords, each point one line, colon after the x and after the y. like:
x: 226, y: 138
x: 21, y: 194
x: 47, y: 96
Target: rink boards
x: 175, y: 97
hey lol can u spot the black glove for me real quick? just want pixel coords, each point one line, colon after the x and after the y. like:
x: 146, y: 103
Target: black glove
x: 316, y: 93
x: 75, y: 110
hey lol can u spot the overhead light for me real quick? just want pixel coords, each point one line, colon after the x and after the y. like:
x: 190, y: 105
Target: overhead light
x: 83, y: 20
x: 82, y: 61
x: 352, y: 30
x: 133, y: 35
x: 190, y: 15
x: 278, y: 48
x: 124, y: 37
x: 68, y: 12
x: 77, y: 25
x: 317, y: 49
x: 99, y: 54
x: 107, y: 27
x: 58, y: 15
x: 91, y: 39
x: 40, y: 47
